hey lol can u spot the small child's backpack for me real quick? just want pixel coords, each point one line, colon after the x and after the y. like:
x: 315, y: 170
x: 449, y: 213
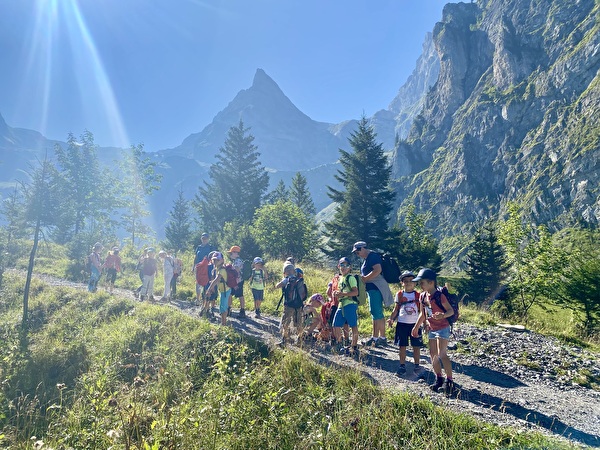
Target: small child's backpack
x: 452, y: 299
x: 390, y: 268
x: 202, y: 277
x: 177, y: 266
x: 295, y: 293
x: 232, y: 276
x: 361, y: 298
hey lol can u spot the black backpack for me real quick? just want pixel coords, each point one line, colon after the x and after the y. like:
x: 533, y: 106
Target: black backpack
x: 452, y: 299
x: 294, y: 293
x: 390, y: 268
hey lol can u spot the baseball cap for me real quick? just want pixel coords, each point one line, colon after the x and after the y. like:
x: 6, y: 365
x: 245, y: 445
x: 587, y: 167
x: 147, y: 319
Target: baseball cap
x: 257, y: 260
x: 406, y: 273
x: 235, y: 249
x: 217, y: 255
x: 203, y: 235
x: 426, y: 274
x: 344, y: 260
x: 317, y: 298
x: 358, y: 245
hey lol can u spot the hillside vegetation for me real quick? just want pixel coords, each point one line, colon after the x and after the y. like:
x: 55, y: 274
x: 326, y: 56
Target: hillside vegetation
x: 100, y: 371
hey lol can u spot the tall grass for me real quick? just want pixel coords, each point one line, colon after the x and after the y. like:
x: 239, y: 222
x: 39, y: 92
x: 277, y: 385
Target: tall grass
x: 99, y: 371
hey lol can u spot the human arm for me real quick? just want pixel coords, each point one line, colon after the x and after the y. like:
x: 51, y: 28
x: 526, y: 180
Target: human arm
x: 440, y: 315
x: 395, y: 312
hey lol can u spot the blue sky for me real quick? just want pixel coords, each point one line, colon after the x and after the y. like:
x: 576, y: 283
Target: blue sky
x: 155, y: 71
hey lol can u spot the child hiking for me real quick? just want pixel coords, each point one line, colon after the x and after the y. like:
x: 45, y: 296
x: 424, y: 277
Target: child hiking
x: 293, y: 294
x: 168, y: 270
x: 406, y: 314
x: 436, y: 324
x: 347, y: 311
x: 238, y: 291
x: 95, y: 265
x: 149, y: 269
x: 257, y: 281
x: 313, y: 320
x: 219, y: 285
x: 112, y: 264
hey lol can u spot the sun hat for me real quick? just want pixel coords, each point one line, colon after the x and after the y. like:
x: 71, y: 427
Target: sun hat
x: 317, y: 298
x: 406, y: 273
x: 287, y: 266
x: 426, y: 274
x: 359, y: 245
x: 235, y: 249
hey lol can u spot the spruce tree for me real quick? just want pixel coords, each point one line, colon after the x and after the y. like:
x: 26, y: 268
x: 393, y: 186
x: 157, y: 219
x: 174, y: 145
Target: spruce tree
x: 486, y: 265
x: 178, y: 232
x: 279, y: 194
x: 364, y: 203
x: 239, y: 182
x: 300, y: 195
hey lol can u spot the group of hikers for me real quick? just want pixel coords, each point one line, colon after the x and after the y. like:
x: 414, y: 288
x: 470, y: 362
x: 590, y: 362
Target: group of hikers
x: 331, y: 318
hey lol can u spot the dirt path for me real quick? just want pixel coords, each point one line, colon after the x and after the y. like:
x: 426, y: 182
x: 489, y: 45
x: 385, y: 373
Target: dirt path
x: 495, y: 383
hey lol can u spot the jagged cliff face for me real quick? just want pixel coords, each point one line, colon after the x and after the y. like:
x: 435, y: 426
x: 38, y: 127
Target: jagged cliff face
x: 513, y: 116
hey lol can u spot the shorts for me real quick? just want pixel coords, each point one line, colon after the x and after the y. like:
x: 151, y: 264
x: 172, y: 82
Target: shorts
x: 346, y: 315
x: 291, y: 315
x: 224, y: 302
x: 258, y: 294
x: 375, y: 304
x: 403, y: 335
x: 444, y: 333
x: 111, y: 275
x: 238, y: 291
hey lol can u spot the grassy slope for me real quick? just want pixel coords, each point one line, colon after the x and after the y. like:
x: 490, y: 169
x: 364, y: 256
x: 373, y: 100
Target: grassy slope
x: 98, y: 371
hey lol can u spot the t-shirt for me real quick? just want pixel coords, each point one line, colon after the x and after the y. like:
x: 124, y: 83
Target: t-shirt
x: 436, y: 325
x: 372, y: 259
x: 149, y: 266
x: 222, y: 284
x: 238, y: 265
x: 345, y: 285
x: 202, y: 252
x: 409, y: 306
x: 257, y: 280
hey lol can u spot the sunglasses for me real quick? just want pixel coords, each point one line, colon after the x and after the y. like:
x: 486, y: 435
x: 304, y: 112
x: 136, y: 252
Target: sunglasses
x: 344, y: 265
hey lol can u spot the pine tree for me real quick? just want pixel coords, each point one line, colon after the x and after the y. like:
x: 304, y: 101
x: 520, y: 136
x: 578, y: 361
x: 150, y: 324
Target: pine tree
x: 486, y: 265
x: 280, y: 193
x: 300, y: 195
x: 364, y: 204
x: 239, y: 182
x: 88, y: 199
x: 178, y: 232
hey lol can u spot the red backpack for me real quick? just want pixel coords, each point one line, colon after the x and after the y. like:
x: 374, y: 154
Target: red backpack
x: 232, y: 276
x: 202, y: 272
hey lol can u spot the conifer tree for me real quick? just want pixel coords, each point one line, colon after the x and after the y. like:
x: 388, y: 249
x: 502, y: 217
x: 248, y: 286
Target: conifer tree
x: 87, y: 191
x: 178, y: 231
x: 364, y: 203
x: 486, y: 265
x: 300, y: 195
x: 280, y: 193
x: 238, y: 182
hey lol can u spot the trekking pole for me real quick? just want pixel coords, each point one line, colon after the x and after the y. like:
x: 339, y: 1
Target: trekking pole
x: 279, y: 304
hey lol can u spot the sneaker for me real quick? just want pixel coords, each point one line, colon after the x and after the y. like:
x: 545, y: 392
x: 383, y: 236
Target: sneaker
x: 370, y: 341
x: 242, y: 314
x: 257, y: 313
x: 439, y: 382
x: 229, y: 311
x: 401, y: 370
x: 344, y: 351
x: 448, y: 388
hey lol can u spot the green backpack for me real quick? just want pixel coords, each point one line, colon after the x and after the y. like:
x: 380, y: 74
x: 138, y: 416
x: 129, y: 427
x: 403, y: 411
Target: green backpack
x: 361, y: 298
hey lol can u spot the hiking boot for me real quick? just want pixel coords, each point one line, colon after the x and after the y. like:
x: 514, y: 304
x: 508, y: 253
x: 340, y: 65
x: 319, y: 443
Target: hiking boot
x: 257, y: 313
x: 229, y: 311
x: 401, y: 370
x: 439, y: 382
x: 448, y: 387
x: 370, y: 341
x: 381, y: 342
x: 242, y: 314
